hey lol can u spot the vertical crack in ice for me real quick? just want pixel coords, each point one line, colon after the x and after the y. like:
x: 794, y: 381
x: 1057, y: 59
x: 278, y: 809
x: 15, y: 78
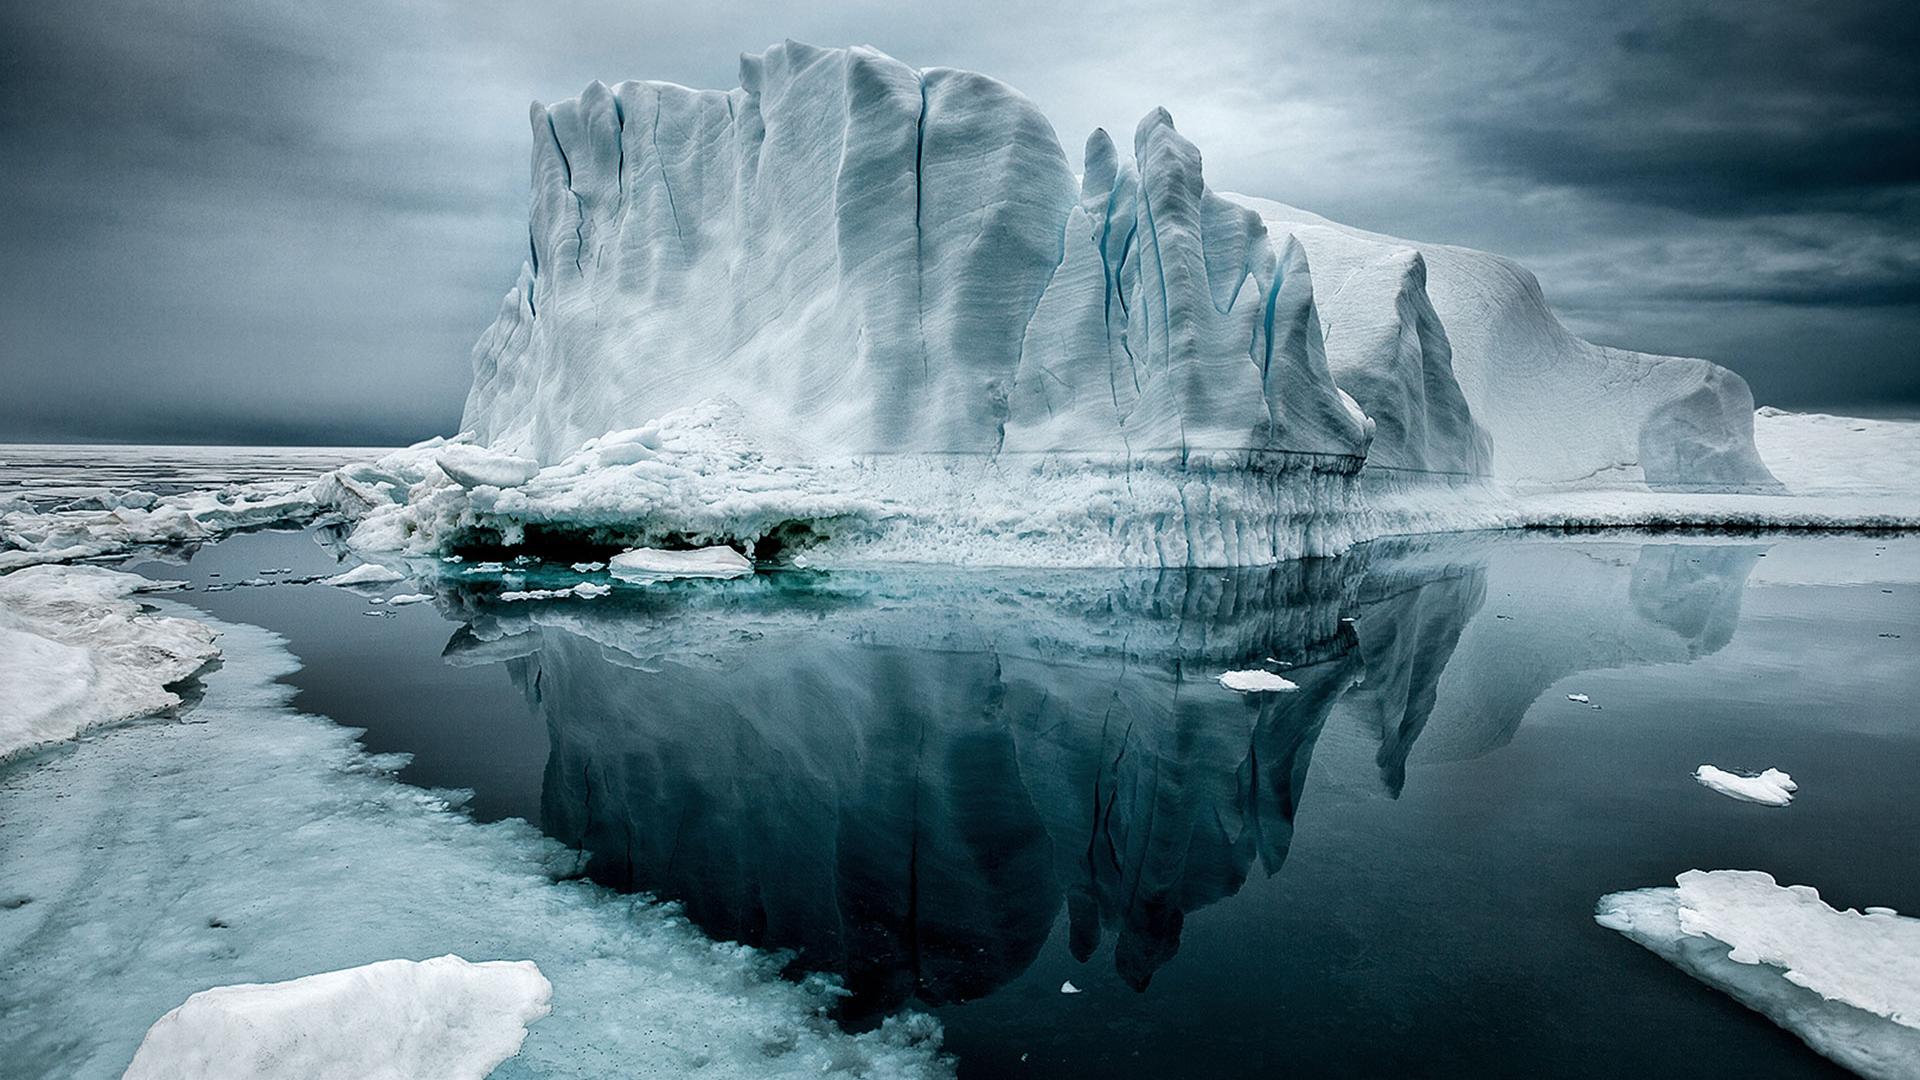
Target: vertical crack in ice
x: 579, y: 205
x: 665, y: 182
x: 919, y: 239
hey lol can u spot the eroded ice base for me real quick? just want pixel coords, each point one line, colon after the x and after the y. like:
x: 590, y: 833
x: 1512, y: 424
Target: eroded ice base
x: 257, y: 844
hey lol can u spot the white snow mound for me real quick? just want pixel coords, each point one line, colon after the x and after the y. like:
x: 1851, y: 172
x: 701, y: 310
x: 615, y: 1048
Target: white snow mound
x: 76, y: 652
x: 1770, y: 788
x: 390, y: 1020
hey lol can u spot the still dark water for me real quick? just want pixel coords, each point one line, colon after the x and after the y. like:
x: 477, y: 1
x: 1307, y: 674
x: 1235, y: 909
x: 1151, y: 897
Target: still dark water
x: 958, y: 790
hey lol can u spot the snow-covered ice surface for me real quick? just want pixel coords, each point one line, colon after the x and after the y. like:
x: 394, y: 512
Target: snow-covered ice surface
x: 77, y: 650
x: 1846, y: 982
x: 388, y: 1020
x: 1770, y: 788
x: 258, y: 844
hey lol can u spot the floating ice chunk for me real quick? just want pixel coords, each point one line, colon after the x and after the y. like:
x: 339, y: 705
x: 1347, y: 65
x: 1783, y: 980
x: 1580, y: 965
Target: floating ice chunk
x: 588, y: 567
x: 586, y: 590
x: 474, y: 466
x: 656, y: 564
x: 443, y: 1017
x: 77, y: 652
x: 365, y: 574
x: 1846, y: 982
x: 1251, y: 682
x: 408, y: 598
x: 1068, y: 987
x: 1580, y: 699
x: 1770, y: 788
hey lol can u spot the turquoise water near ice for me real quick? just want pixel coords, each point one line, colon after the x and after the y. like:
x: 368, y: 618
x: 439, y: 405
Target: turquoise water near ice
x: 956, y: 791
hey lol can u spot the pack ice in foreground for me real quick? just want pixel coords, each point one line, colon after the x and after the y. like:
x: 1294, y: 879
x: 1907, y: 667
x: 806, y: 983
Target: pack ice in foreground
x: 859, y: 304
x: 1846, y: 982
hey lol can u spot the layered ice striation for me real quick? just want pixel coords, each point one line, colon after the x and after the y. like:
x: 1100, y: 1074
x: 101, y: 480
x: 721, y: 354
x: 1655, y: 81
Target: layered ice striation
x: 895, y: 276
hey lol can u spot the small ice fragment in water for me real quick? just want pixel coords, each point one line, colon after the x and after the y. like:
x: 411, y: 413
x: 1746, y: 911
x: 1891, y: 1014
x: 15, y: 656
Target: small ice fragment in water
x: 588, y: 567
x: 1250, y: 682
x: 1770, y: 788
x: 408, y: 598
x: 656, y: 564
x: 1068, y: 987
x: 1581, y: 698
x: 364, y: 574
x: 589, y: 590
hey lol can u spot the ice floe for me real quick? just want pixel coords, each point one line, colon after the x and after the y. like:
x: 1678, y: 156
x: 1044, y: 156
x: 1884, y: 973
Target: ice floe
x: 1251, y: 682
x: 77, y: 651
x: 408, y: 598
x: 655, y: 564
x: 1770, y: 788
x: 365, y: 574
x: 442, y: 1017
x: 1846, y: 982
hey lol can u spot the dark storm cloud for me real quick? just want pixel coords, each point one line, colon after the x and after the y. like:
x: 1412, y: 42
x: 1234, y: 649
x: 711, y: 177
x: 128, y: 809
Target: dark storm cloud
x: 1724, y: 110
x: 279, y: 221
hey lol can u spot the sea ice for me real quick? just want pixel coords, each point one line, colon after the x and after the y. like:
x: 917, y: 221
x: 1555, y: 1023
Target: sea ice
x: 408, y: 598
x: 1248, y: 682
x: 77, y: 651
x: 1579, y: 699
x: 388, y: 1020
x: 365, y: 574
x: 1770, y: 788
x: 260, y: 844
x: 1068, y: 987
x: 655, y: 564
x: 1846, y: 982
x: 474, y: 466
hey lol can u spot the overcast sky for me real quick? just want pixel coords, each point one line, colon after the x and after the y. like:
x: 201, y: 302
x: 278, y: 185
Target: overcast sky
x: 264, y: 221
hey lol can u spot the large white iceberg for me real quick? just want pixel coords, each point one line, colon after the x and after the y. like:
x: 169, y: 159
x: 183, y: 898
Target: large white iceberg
x: 388, y: 1020
x: 1846, y: 982
x: 78, y: 651
x: 926, y: 337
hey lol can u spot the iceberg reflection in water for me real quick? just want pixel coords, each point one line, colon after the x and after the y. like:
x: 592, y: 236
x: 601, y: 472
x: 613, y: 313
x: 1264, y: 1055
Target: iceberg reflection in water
x: 905, y: 777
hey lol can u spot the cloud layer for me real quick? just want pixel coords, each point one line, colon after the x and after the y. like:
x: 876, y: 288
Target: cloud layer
x: 268, y: 221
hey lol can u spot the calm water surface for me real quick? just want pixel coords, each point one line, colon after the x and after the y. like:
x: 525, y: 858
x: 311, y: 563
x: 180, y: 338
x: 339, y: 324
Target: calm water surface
x: 959, y: 790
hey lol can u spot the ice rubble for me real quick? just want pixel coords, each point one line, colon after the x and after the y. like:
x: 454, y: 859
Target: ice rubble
x: 388, y: 1020
x: 1770, y: 788
x: 260, y: 844
x: 1846, y: 982
x: 88, y: 528
x: 77, y: 651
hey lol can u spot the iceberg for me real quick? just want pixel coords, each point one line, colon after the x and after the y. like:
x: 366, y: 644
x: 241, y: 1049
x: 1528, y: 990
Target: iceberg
x: 365, y: 574
x: 77, y: 652
x: 1846, y: 982
x: 392, y: 1019
x: 855, y: 303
